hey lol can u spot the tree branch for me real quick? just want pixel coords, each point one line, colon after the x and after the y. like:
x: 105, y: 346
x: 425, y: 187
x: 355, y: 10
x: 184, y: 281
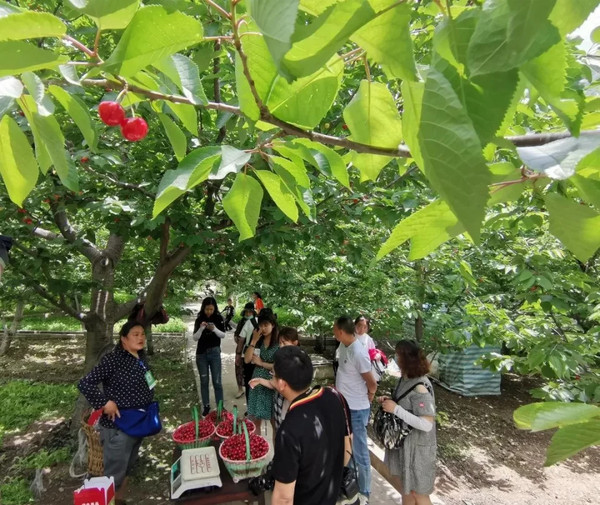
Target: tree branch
x: 122, y: 184
x: 534, y: 139
x: 87, y: 248
x: 164, y: 240
x: 219, y: 9
x: 44, y: 293
x: 45, y: 234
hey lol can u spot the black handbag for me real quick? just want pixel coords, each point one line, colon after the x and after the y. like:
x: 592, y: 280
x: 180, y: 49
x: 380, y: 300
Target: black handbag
x: 390, y: 430
x: 349, y: 486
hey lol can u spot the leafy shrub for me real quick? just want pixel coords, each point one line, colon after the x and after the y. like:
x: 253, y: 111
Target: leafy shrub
x: 15, y: 492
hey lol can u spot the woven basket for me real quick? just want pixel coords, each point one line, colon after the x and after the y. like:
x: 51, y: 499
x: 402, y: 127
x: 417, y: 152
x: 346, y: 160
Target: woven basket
x: 95, y: 455
x: 240, y: 470
x: 201, y: 442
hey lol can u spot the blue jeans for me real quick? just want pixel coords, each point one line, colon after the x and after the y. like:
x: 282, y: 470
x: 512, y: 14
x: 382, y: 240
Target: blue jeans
x: 359, y: 420
x: 211, y: 359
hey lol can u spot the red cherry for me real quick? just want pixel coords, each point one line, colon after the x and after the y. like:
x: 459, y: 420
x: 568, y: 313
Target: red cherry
x: 84, y: 159
x: 28, y: 220
x: 134, y: 129
x: 21, y: 211
x: 111, y: 113
x: 344, y: 126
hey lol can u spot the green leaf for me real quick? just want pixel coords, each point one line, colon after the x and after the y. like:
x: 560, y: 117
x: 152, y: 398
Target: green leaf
x: 108, y: 14
x: 326, y: 160
x: 276, y: 20
x: 576, y: 226
x: 412, y: 92
x: 510, y: 33
x: 387, y: 40
x: 18, y: 167
x: 242, y: 204
x: 184, y: 73
x: 558, y: 159
x: 232, y: 161
x: 187, y: 114
x: 19, y: 57
x: 79, y: 112
x: 37, y: 90
x: 373, y: 119
x: 428, y: 228
x: 558, y: 414
x: 142, y: 44
x: 7, y: 9
x: 279, y: 192
x: 525, y: 415
x: 315, y: 43
x: 175, y: 136
x: 504, y: 172
x: 48, y: 135
x: 571, y: 439
x: 304, y: 102
x: 486, y: 98
x: 298, y: 172
x: 451, y: 153
x: 295, y: 178
x: 30, y: 25
x: 548, y: 72
x: 316, y: 7
x: 11, y: 86
x: 452, y: 36
x: 29, y: 107
x: 588, y: 188
x: 192, y: 170
x: 570, y: 14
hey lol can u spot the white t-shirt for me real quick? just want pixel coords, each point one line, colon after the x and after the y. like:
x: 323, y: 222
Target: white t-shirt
x: 366, y: 340
x: 353, y: 360
x: 246, y: 331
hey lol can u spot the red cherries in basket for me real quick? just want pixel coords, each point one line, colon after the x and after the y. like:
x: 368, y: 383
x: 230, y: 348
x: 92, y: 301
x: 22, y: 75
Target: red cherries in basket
x: 187, y: 432
x: 234, y: 448
x: 225, y: 428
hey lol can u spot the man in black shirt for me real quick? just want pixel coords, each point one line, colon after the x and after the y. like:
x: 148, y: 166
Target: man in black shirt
x: 312, y: 444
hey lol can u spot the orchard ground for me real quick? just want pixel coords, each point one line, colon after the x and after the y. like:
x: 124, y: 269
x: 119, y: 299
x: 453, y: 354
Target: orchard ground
x: 483, y: 458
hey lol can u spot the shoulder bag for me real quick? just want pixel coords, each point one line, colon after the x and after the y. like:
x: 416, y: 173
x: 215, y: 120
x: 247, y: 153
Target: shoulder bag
x: 139, y: 422
x: 390, y: 430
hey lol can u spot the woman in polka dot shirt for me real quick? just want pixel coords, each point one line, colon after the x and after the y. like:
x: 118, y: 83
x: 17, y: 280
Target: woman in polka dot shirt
x: 127, y: 383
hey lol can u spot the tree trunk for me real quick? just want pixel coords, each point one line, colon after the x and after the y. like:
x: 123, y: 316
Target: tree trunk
x: 420, y: 299
x: 10, y: 332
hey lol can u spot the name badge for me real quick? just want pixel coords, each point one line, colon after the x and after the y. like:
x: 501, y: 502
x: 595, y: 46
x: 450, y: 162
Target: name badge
x: 150, y: 380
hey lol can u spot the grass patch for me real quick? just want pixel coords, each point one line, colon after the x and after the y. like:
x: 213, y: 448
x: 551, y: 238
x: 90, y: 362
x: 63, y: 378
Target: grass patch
x: 22, y: 402
x: 15, y: 492
x: 42, y: 459
x: 175, y: 325
x: 54, y: 323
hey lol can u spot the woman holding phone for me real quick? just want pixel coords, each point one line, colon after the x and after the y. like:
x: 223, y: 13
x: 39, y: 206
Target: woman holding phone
x: 209, y: 329
x: 261, y: 352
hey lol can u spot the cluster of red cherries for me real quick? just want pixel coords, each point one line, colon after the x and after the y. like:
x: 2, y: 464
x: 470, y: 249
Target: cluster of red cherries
x: 234, y: 448
x: 113, y: 114
x: 225, y: 416
x: 225, y: 428
x: 186, y: 433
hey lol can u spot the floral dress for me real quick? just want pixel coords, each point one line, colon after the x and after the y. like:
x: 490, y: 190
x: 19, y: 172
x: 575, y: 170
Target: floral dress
x: 260, y: 399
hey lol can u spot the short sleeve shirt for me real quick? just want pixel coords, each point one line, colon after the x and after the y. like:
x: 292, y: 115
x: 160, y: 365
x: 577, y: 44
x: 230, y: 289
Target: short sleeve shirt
x: 353, y: 361
x: 309, y: 447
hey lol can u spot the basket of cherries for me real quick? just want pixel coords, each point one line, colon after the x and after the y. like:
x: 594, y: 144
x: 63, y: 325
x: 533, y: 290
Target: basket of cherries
x: 245, y: 455
x: 196, y: 433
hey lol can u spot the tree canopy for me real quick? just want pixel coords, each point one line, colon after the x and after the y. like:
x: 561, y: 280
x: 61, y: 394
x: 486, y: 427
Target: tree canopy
x: 300, y: 132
